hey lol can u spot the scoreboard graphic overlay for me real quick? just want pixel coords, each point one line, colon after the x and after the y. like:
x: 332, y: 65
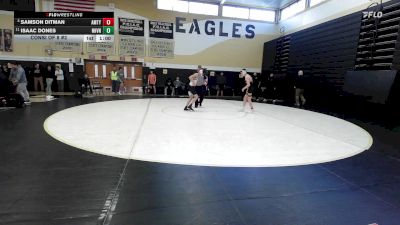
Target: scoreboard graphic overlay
x: 64, y: 26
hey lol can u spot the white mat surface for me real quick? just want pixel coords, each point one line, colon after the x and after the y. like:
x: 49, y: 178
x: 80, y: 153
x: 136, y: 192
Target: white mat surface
x: 218, y: 134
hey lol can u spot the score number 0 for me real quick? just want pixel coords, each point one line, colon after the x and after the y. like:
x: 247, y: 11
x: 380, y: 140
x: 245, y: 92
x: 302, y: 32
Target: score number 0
x: 108, y: 21
x: 108, y: 25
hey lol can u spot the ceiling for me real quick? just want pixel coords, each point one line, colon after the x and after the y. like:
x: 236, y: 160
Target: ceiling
x: 275, y: 4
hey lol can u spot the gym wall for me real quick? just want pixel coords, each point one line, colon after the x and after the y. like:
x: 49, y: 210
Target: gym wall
x: 191, y: 49
x: 323, y: 43
x: 213, y: 51
x: 325, y: 52
x: 327, y: 11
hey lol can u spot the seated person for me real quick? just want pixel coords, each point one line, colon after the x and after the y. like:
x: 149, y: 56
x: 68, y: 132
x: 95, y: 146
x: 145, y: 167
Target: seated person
x: 4, y: 84
x: 169, y: 87
x: 178, y: 86
x: 84, y: 83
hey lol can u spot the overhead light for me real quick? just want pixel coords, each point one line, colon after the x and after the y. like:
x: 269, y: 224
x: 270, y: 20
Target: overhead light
x: 222, y: 2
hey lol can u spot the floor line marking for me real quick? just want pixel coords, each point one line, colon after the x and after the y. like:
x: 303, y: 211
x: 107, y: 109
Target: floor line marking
x: 333, y: 138
x: 357, y: 186
x: 231, y: 199
x: 105, y: 216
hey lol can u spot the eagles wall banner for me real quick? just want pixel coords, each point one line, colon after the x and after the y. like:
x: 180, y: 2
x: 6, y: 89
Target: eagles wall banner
x: 134, y: 46
x: 132, y: 27
x: 67, y: 46
x: 104, y: 48
x: 158, y: 29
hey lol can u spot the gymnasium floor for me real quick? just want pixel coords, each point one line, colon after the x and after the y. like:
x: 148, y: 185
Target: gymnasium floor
x: 44, y: 181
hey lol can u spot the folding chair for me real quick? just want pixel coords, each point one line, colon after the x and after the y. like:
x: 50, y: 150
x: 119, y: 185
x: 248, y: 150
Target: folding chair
x: 96, y: 86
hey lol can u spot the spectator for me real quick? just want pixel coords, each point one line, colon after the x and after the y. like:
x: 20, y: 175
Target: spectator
x: 239, y: 83
x: 29, y: 78
x: 169, y: 87
x: 221, y: 82
x: 270, y: 92
x: 18, y: 79
x: 114, y: 80
x: 3, y: 84
x: 38, y: 78
x: 178, y: 86
x: 257, y: 86
x: 60, y: 78
x: 74, y: 84
x: 49, y: 75
x: 85, y: 83
x: 300, y: 84
x: 6, y: 70
x: 121, y: 78
x: 151, y: 81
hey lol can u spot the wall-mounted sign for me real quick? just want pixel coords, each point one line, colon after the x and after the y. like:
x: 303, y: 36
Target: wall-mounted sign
x: 102, y: 47
x: 158, y: 29
x: 8, y: 40
x: 66, y: 46
x: 132, y: 27
x: 1, y: 40
x: 161, y: 48
x: 161, y: 43
x: 134, y: 46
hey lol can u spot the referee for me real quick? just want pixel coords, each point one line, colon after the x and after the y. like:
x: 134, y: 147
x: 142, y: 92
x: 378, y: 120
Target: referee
x: 201, y: 86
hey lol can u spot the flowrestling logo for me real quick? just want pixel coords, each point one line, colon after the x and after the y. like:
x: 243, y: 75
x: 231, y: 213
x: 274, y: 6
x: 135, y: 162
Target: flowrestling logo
x: 372, y: 14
